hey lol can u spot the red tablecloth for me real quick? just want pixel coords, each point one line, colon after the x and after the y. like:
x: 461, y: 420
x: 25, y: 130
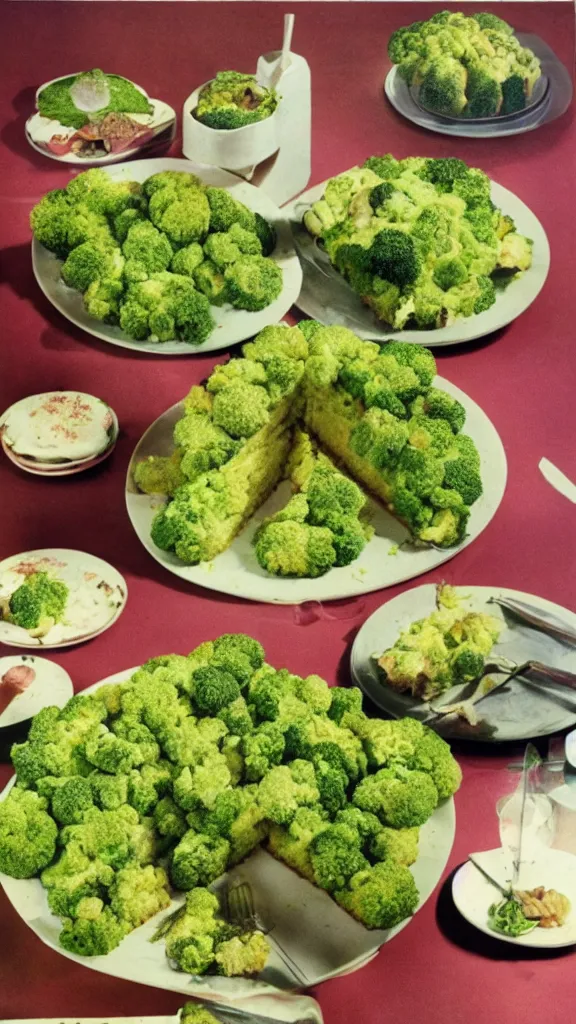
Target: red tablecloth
x: 524, y: 377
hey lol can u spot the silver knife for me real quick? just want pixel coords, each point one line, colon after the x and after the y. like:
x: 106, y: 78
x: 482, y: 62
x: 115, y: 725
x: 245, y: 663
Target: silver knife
x: 557, y: 479
x: 532, y: 615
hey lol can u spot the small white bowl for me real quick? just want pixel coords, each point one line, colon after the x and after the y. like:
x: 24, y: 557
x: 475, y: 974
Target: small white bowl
x: 235, y: 149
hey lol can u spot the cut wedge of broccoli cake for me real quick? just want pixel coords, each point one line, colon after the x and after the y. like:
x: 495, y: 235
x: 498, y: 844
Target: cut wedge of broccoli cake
x: 419, y: 240
x: 321, y: 525
x: 161, y: 783
x: 355, y: 415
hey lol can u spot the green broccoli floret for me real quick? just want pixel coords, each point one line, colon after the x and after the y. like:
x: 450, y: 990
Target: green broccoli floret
x: 213, y: 689
x: 462, y: 474
x: 90, y: 262
x: 253, y: 282
x: 169, y: 819
x: 73, y: 878
x: 27, y: 834
x: 336, y: 855
x: 379, y: 437
x: 443, y: 86
x: 184, y: 216
x: 289, y: 548
x: 433, y: 755
x: 344, y: 700
x: 194, y: 1013
x: 109, y: 753
x: 210, y: 281
x: 266, y: 234
x: 199, y: 786
x: 110, y: 791
x: 399, y: 845
x: 445, y: 171
x: 39, y: 601
x: 440, y: 404
x: 261, y: 750
x: 449, y: 272
x: 49, y: 221
x: 487, y: 20
x: 93, y: 936
x: 483, y: 91
x: 399, y: 797
x: 138, y: 893
x: 243, y: 955
x: 233, y: 100
x: 286, y: 788
x: 241, y: 409
x: 225, y: 211
x: 165, y: 307
x: 380, y: 897
x: 187, y: 260
x: 146, y: 250
x: 513, y: 94
x: 198, y: 860
x: 291, y: 844
x: 177, y: 181
x: 192, y: 935
x: 71, y: 799
x: 365, y: 824
x: 394, y: 257
x: 332, y: 784
x: 487, y: 295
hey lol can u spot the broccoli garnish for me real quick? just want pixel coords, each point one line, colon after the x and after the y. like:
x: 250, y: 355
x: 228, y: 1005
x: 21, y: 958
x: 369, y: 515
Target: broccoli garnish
x: 39, y: 602
x: 393, y: 257
x: 198, y: 860
x: 140, y: 783
x: 27, y: 834
x: 233, y: 100
x: 253, y: 282
x: 381, y: 896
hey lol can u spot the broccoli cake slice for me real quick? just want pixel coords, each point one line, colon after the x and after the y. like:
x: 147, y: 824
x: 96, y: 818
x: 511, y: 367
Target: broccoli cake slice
x: 321, y: 525
x: 232, y: 445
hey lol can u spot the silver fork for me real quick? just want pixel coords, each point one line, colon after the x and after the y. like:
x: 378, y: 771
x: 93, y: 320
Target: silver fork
x: 242, y: 912
x: 533, y: 671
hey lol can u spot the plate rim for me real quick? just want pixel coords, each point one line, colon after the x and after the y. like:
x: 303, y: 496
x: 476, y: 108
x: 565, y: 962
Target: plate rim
x: 545, y: 603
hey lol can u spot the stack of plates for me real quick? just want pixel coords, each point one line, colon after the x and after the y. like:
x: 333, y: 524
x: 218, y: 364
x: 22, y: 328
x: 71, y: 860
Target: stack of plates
x: 58, y: 433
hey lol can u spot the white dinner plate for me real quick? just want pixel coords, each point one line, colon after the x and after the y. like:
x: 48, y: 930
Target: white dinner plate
x: 231, y: 325
x: 51, y: 686
x: 473, y: 894
x: 236, y: 571
x: 517, y: 711
x: 327, y: 297
x: 322, y: 939
x: 97, y: 597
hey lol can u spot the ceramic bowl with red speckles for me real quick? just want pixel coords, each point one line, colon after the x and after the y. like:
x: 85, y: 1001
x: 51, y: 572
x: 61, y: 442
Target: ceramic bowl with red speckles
x: 58, y: 433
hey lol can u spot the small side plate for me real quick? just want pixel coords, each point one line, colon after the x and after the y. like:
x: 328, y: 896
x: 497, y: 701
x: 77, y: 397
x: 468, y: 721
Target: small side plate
x: 473, y: 894
x: 51, y: 686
